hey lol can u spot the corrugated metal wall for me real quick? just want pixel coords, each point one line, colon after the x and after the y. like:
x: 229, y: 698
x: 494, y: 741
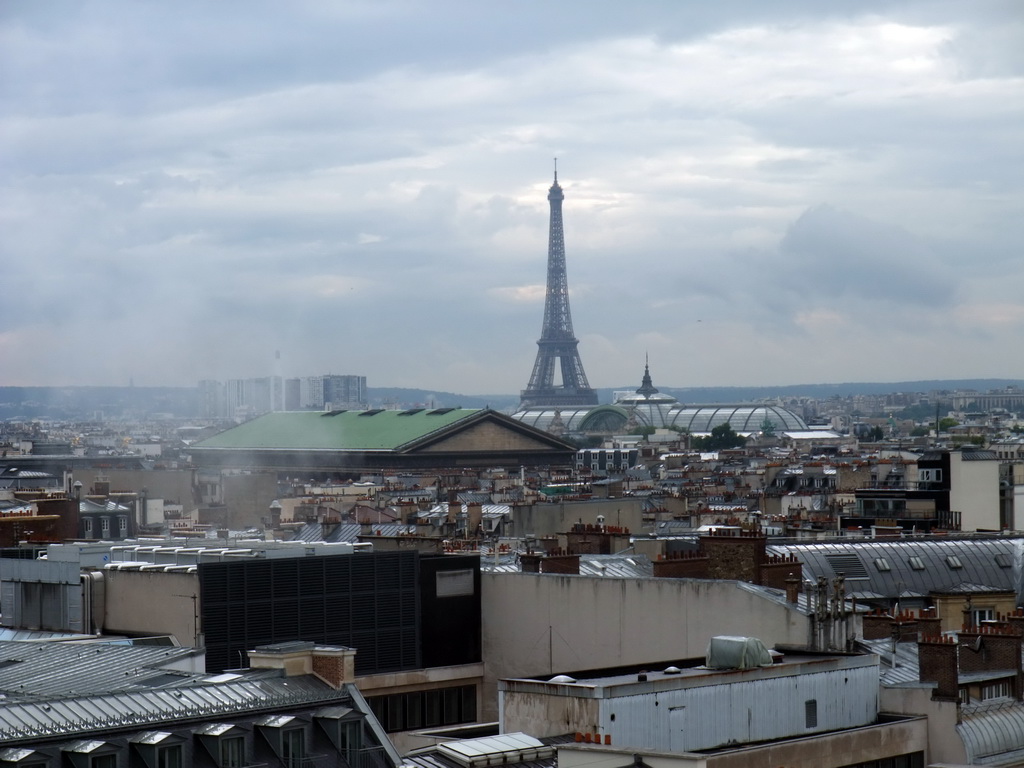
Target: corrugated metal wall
x: 757, y: 710
x: 40, y: 594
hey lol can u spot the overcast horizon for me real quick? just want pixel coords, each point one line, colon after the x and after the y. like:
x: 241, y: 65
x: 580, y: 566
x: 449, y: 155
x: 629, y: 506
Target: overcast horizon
x: 755, y: 193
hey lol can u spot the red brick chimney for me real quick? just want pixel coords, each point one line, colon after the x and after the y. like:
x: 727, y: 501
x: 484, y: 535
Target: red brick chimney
x: 735, y: 557
x: 475, y: 515
x: 335, y: 665
x: 775, y: 570
x: 877, y: 625
x: 529, y: 562
x: 1016, y: 619
x: 937, y: 663
x: 928, y: 623
x: 682, y: 565
x: 991, y: 649
x: 560, y: 562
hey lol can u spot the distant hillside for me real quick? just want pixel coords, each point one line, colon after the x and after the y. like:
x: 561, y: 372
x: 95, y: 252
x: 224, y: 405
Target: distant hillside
x: 83, y: 403
x: 825, y: 391
x: 382, y: 397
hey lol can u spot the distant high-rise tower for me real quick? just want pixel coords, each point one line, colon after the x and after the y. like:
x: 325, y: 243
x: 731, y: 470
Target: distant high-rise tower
x: 557, y: 344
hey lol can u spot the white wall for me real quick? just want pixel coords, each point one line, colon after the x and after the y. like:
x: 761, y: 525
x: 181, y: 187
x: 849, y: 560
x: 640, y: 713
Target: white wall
x: 974, y: 492
x: 547, y: 624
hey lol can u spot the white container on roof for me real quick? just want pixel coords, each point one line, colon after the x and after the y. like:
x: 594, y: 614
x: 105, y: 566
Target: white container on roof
x: 725, y: 652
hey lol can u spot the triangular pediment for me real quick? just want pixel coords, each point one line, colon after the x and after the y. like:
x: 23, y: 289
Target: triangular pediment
x: 490, y: 436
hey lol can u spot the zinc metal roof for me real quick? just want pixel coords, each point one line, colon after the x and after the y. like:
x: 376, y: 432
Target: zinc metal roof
x: 41, y: 670
x: 487, y: 509
x: 8, y: 634
x: 68, y: 716
x: 617, y: 566
x: 343, y: 532
x: 991, y: 733
x: 336, y: 430
x: 605, y: 566
x: 73, y: 700
x: 896, y: 668
x: 894, y: 568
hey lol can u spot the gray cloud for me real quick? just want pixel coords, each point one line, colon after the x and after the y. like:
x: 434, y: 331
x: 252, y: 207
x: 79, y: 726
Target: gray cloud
x: 362, y: 185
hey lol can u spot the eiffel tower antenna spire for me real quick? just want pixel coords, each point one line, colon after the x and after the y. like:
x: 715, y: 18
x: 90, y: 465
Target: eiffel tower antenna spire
x: 557, y: 344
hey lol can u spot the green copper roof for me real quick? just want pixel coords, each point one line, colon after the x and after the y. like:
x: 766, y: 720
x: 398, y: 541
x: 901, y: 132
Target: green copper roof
x: 337, y: 431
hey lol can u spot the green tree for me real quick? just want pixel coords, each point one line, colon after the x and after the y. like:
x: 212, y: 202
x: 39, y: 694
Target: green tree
x: 946, y: 423
x: 721, y: 438
x: 919, y: 431
x: 876, y: 434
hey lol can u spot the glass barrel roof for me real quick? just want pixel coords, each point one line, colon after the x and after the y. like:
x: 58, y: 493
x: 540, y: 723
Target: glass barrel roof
x: 745, y: 418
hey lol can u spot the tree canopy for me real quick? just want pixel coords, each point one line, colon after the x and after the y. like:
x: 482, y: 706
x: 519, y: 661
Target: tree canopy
x: 722, y: 437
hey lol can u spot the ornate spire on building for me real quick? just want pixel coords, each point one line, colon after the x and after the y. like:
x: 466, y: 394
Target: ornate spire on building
x: 557, y: 344
x: 647, y: 387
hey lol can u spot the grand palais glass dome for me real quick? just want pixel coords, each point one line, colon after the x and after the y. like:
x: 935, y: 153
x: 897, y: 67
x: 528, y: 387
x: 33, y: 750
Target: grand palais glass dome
x: 648, y: 407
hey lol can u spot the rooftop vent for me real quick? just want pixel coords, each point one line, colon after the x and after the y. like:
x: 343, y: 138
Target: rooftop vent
x: 848, y: 565
x: 562, y: 679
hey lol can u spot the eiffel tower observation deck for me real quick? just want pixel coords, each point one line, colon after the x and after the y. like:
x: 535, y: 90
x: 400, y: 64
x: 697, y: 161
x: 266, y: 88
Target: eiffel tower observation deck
x: 557, y: 346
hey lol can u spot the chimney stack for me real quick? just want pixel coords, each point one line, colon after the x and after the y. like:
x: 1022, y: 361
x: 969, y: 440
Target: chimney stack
x: 937, y: 663
x: 793, y: 584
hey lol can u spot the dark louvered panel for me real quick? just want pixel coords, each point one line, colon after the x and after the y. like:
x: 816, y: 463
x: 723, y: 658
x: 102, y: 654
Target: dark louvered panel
x: 389, y: 650
x: 338, y: 616
x: 285, y: 580
x: 216, y: 624
x: 236, y: 614
x: 286, y: 621
x: 217, y: 658
x: 236, y: 578
x: 337, y: 575
x: 411, y: 656
x: 388, y: 576
x: 257, y: 577
x: 367, y: 601
x: 213, y: 585
x: 365, y: 644
x: 389, y: 612
x: 311, y: 574
x: 312, y: 619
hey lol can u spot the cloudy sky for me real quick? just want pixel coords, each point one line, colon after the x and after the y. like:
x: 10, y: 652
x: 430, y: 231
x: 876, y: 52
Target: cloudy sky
x: 755, y: 193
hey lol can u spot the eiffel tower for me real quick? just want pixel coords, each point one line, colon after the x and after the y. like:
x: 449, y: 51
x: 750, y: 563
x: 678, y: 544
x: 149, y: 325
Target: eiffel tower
x: 557, y: 344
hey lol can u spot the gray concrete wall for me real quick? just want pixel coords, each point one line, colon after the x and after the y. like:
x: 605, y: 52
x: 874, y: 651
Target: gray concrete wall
x: 944, y: 744
x: 174, y: 486
x: 152, y: 603
x: 546, y: 624
x: 548, y: 519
